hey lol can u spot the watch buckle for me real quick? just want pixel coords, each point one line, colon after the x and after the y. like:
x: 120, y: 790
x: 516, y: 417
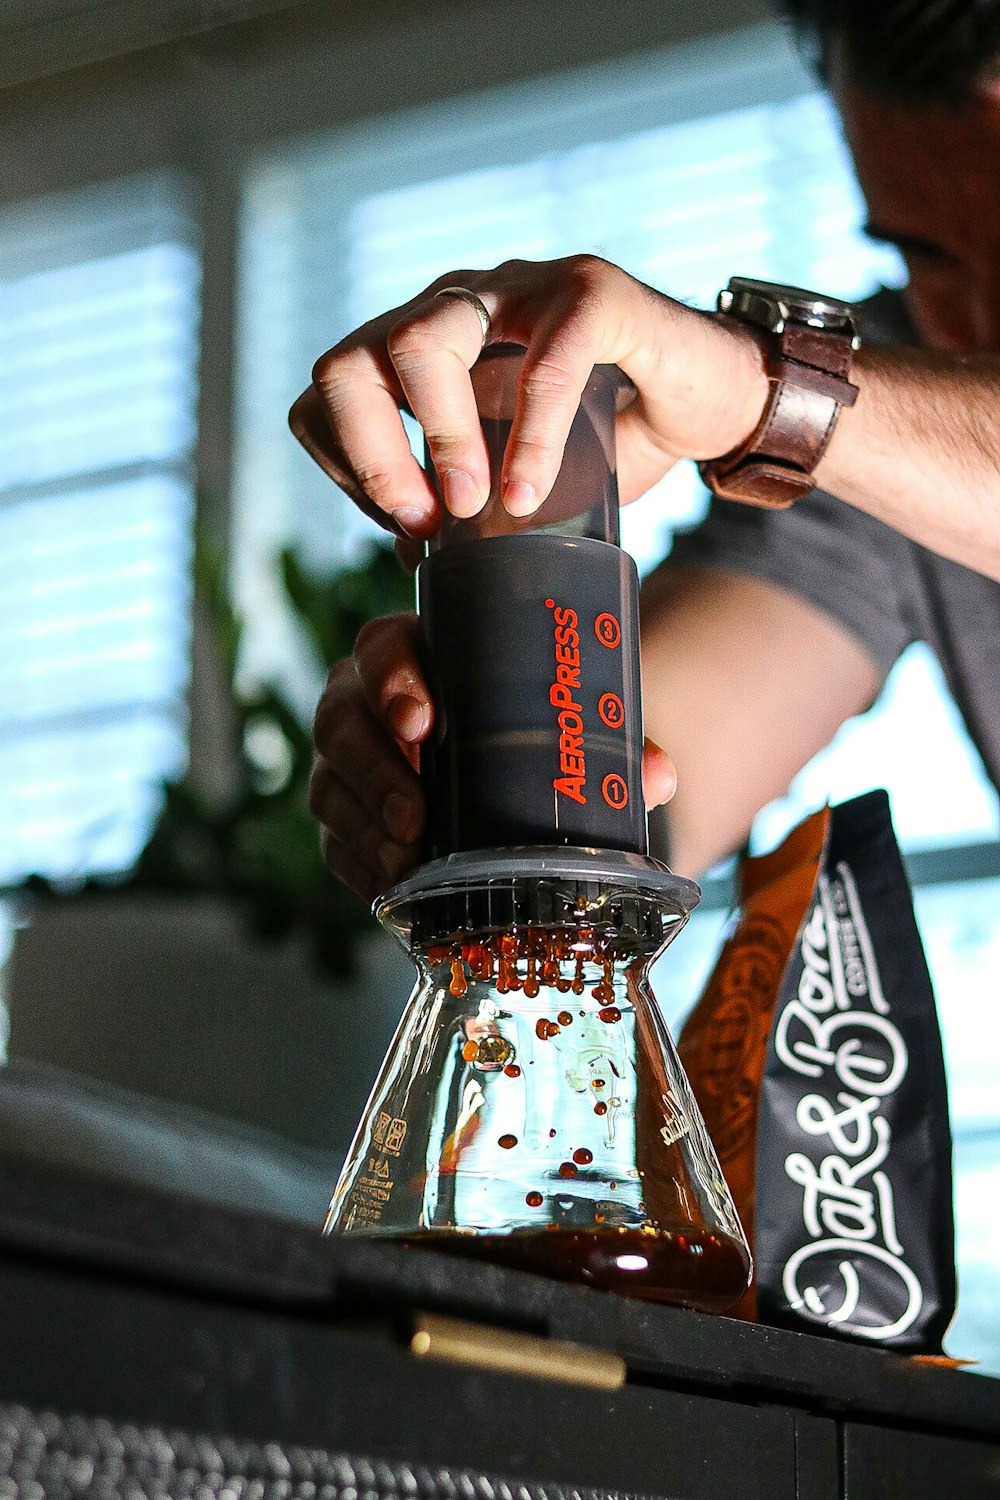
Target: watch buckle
x: 764, y: 312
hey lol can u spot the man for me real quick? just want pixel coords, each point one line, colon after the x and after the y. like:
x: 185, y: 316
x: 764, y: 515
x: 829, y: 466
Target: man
x: 790, y: 619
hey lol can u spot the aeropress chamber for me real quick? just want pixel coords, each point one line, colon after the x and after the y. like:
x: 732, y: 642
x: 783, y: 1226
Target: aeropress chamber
x: 532, y: 1109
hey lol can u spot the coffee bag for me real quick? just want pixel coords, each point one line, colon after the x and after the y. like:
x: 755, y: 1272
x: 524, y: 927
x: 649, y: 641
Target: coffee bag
x: 816, y: 1058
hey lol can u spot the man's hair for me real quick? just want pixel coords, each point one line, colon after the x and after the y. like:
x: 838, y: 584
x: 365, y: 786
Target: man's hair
x: 909, y: 52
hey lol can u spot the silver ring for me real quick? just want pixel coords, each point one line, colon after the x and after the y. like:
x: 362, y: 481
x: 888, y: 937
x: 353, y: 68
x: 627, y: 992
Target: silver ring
x: 476, y: 303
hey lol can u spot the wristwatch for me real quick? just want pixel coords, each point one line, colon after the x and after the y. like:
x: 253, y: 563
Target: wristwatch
x: 811, y: 346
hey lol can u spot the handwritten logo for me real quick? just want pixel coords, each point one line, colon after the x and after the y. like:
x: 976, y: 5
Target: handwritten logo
x: 837, y: 1030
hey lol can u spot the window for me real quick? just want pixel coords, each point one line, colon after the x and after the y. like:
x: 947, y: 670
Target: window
x: 645, y: 165
x: 98, y: 361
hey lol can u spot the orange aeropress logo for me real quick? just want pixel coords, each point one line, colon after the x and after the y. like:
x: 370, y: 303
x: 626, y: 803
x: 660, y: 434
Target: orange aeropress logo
x: 562, y: 696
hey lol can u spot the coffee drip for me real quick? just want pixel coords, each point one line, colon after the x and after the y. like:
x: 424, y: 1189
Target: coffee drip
x: 532, y: 1109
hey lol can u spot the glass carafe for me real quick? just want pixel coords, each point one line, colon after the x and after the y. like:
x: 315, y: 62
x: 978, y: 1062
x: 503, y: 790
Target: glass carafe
x: 532, y: 1109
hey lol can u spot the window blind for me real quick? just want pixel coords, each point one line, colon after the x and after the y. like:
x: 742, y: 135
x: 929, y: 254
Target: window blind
x: 98, y: 366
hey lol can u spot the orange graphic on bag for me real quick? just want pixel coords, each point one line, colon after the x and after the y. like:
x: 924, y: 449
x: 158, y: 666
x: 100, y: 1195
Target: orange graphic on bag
x: 723, y: 1045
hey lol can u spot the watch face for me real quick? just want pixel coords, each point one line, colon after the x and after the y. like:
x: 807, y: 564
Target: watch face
x: 770, y: 304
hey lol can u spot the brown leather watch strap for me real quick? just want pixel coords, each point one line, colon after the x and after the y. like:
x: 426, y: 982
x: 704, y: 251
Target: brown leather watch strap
x: 808, y: 370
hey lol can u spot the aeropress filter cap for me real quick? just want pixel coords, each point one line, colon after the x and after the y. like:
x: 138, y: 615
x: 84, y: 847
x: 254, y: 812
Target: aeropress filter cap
x: 491, y: 890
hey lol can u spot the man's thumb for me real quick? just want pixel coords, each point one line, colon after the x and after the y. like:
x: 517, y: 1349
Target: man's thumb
x: 659, y: 779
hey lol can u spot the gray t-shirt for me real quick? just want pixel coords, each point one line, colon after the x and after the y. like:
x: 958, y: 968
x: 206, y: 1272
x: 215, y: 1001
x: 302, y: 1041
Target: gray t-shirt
x: 883, y: 588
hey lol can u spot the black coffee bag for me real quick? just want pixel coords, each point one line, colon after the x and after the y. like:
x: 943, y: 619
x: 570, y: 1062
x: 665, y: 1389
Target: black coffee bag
x: 854, y: 1233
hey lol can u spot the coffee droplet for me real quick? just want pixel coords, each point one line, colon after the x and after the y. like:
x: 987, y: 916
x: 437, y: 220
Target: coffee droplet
x: 470, y: 1051
x: 583, y: 1157
x: 507, y: 1141
x: 551, y: 1134
x: 545, y: 1030
x: 512, y: 1070
x: 530, y: 959
x: 609, y: 1013
x: 597, y: 1083
x: 565, y: 1018
x: 534, y: 1200
x: 567, y: 1169
x: 600, y: 1108
x: 495, y: 1051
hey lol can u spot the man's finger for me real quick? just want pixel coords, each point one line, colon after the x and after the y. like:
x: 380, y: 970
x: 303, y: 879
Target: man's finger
x: 361, y: 398
x: 553, y: 375
x: 349, y: 822
x: 387, y: 661
x: 369, y: 762
x: 659, y: 778
x: 433, y: 347
x: 592, y: 317
x: 310, y: 425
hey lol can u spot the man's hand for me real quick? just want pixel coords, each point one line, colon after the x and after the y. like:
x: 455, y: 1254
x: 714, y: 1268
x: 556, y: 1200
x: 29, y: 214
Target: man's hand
x: 700, y: 385
x: 916, y: 450
x: 374, y: 714
x: 700, y: 390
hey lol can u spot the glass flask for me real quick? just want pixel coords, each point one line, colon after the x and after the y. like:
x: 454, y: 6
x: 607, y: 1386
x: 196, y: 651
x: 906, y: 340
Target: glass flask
x: 532, y: 1110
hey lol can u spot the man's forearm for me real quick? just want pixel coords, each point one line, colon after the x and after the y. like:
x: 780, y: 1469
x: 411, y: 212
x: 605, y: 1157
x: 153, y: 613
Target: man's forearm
x: 920, y: 450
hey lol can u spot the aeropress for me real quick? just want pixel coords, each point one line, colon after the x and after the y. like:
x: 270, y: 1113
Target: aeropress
x: 532, y: 1110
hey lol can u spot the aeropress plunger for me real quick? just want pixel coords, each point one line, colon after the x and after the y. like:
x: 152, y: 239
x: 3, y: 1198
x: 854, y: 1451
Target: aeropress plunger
x: 532, y: 1109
